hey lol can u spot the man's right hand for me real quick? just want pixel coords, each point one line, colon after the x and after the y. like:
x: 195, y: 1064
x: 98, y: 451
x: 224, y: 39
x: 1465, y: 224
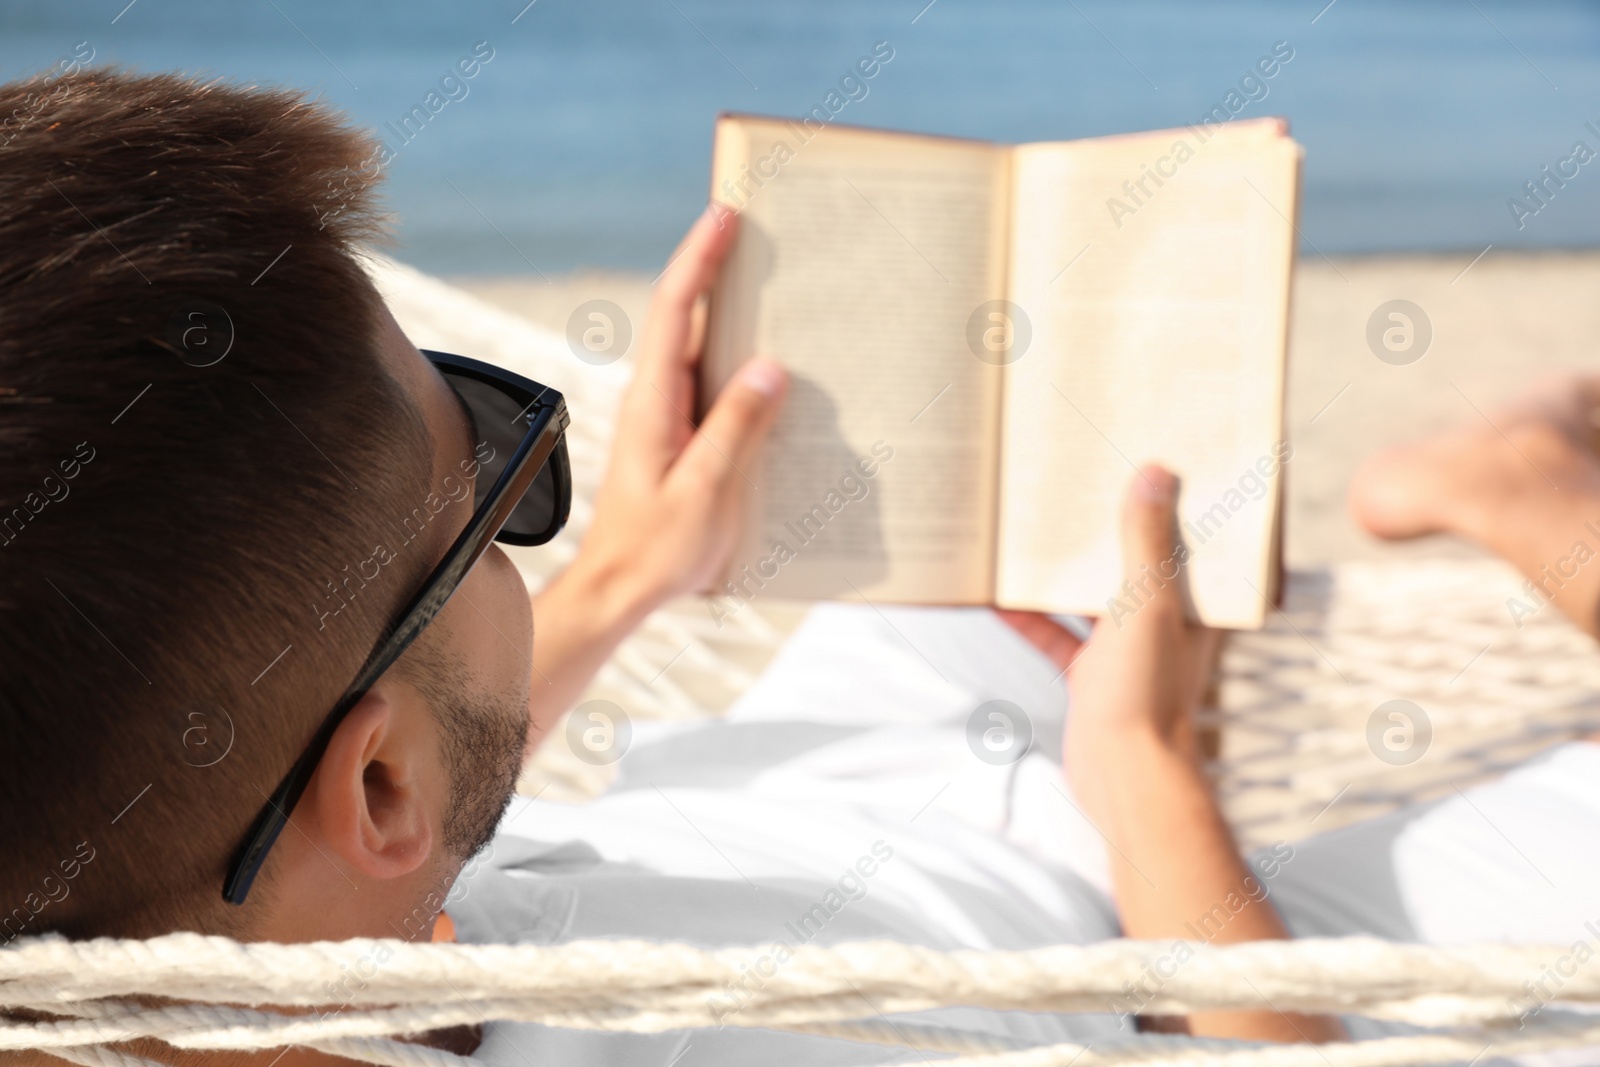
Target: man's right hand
x: 1144, y: 672
x: 1140, y: 676
x: 1134, y: 767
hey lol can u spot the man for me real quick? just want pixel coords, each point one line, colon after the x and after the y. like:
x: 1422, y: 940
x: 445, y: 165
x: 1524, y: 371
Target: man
x: 189, y: 569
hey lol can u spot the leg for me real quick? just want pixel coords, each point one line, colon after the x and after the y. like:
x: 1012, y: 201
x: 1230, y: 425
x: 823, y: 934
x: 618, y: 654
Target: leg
x: 1525, y: 488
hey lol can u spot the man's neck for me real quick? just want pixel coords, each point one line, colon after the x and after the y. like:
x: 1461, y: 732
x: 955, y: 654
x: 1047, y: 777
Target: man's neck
x: 461, y: 1040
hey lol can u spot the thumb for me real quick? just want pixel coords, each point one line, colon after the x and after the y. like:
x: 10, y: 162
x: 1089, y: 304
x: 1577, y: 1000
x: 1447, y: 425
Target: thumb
x: 1151, y: 554
x: 739, y: 419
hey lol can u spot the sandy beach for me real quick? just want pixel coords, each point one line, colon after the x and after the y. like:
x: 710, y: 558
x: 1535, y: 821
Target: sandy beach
x: 1496, y: 323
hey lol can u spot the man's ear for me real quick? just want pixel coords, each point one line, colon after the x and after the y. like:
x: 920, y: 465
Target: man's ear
x: 370, y: 795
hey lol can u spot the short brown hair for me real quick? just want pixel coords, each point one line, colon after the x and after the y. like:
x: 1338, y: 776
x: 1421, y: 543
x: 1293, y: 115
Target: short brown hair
x: 170, y: 521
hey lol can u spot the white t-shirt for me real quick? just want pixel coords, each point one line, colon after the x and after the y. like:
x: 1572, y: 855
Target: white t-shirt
x: 859, y: 790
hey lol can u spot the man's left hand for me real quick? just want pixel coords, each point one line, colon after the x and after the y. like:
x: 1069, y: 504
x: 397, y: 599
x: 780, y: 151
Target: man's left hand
x: 670, y: 510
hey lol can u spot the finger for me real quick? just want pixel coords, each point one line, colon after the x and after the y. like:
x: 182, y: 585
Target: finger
x: 1152, y: 556
x: 736, y: 424
x: 660, y: 403
x: 1057, y: 642
x: 689, y: 275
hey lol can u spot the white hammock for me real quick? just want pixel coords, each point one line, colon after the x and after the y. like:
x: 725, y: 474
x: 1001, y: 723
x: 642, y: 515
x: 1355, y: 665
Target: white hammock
x: 219, y: 994
x: 1471, y: 997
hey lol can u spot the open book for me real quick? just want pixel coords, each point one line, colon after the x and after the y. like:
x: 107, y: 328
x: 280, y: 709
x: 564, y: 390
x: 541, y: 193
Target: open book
x: 986, y: 340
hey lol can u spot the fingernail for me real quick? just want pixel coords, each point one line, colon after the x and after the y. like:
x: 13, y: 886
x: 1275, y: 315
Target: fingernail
x: 1156, y: 485
x: 765, y: 376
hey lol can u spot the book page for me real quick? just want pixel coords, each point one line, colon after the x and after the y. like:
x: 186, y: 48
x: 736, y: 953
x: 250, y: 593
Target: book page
x: 1155, y: 270
x: 860, y: 259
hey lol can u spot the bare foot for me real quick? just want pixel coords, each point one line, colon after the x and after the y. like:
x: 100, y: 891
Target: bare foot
x: 1464, y: 479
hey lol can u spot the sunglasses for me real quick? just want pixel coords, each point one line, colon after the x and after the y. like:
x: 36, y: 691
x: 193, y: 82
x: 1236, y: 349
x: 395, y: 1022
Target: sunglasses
x: 522, y: 496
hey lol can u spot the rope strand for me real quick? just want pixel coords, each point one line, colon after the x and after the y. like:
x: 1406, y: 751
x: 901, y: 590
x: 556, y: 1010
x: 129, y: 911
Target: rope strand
x: 222, y: 994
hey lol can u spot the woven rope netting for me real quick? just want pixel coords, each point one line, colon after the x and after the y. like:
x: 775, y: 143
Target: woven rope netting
x: 1294, y: 703
x: 216, y: 994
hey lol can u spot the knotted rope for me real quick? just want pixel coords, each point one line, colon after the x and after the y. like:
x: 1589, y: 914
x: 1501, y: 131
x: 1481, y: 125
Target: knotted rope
x: 353, y: 997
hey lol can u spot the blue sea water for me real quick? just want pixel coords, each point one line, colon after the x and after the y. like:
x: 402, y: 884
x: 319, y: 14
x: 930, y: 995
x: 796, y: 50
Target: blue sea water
x: 584, y: 141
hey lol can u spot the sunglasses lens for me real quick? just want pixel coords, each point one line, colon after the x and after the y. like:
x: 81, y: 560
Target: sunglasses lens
x: 501, y: 425
x: 535, y: 513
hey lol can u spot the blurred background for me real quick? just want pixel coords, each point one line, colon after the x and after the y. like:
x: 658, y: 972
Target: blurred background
x: 567, y: 167
x: 584, y: 141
